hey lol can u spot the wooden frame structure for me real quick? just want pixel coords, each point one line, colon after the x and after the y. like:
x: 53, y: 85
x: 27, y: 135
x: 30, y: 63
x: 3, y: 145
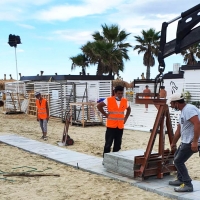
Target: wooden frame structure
x: 160, y: 163
x: 85, y: 119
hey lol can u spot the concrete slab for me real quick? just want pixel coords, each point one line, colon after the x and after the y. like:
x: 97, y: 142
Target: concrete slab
x: 122, y: 162
x: 94, y: 165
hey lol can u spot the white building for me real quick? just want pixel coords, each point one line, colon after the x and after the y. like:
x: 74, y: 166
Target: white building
x: 186, y: 80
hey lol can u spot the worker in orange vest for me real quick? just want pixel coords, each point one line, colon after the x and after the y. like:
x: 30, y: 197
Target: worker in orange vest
x: 146, y: 90
x: 42, y: 113
x: 116, y: 105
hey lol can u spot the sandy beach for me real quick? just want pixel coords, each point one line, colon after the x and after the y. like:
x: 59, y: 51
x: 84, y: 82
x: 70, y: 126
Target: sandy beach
x: 73, y: 183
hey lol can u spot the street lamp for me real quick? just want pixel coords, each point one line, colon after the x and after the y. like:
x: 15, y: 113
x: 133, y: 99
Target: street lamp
x: 13, y: 41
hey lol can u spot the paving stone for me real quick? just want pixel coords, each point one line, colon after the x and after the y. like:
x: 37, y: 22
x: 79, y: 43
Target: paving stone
x: 192, y: 195
x: 87, y: 163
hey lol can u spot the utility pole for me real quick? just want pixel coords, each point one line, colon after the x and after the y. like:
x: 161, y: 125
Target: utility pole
x: 13, y: 41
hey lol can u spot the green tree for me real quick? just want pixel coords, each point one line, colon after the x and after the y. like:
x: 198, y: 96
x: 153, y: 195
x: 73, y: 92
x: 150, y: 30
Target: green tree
x: 113, y: 39
x: 108, y: 59
x: 108, y: 51
x: 81, y: 61
x: 149, y: 43
x: 191, y: 54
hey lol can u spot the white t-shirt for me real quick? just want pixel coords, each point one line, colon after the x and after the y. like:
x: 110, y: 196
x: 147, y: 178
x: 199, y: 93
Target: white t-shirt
x: 187, y: 128
x: 118, y: 102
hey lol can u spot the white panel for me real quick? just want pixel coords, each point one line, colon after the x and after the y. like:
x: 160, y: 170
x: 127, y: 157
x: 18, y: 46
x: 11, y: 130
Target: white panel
x: 105, y: 89
x: 93, y: 91
x: 173, y: 86
x: 46, y: 88
x: 11, y: 89
x: 194, y: 90
x: 191, y: 76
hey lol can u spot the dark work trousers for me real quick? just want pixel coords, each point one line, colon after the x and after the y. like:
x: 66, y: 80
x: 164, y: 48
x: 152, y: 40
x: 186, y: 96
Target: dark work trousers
x: 113, y: 134
x: 182, y: 154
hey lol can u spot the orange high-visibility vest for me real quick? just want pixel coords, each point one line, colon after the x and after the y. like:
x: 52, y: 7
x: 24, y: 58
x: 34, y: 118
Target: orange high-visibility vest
x: 116, y: 114
x: 42, y: 108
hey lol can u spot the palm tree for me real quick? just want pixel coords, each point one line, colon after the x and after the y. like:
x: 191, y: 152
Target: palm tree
x: 191, y: 54
x: 149, y: 42
x: 81, y: 61
x: 108, y: 51
x: 117, y: 49
x: 108, y: 59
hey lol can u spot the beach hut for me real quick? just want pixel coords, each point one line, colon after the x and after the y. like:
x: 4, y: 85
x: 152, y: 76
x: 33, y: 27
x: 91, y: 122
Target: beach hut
x: 66, y: 89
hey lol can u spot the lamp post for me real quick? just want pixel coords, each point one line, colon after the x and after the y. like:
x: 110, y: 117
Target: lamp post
x: 13, y: 41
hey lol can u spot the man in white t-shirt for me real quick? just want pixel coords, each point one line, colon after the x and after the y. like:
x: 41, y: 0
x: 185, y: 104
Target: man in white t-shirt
x: 116, y: 119
x: 188, y: 130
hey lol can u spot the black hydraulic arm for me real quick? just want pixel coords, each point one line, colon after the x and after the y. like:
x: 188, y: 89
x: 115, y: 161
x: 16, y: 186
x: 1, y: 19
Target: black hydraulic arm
x: 186, y: 35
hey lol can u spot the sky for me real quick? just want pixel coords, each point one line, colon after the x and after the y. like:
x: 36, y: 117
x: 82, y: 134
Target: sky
x: 52, y: 31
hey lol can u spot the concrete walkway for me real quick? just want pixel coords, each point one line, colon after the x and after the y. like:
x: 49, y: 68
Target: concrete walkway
x: 93, y: 164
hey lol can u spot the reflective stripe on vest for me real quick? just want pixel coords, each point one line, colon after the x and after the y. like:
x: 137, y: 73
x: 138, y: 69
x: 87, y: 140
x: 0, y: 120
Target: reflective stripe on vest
x: 116, y: 114
x: 41, y: 108
x: 110, y: 118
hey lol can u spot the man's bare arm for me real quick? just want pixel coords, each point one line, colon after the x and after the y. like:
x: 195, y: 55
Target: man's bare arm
x: 37, y: 113
x: 100, y: 108
x: 195, y: 121
x: 177, y: 135
x: 47, y: 108
x: 128, y: 112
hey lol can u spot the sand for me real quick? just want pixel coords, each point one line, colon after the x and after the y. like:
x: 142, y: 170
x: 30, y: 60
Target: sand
x: 73, y: 183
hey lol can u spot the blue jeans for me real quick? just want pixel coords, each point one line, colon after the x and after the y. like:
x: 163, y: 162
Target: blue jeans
x: 182, y: 154
x: 43, y: 125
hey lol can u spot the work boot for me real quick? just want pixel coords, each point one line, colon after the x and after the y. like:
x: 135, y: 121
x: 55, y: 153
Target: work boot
x: 184, y: 188
x: 175, y: 183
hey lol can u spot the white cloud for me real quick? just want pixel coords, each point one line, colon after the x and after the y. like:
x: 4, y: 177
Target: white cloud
x: 26, y: 26
x: 79, y: 37
x: 24, y: 2
x: 66, y: 12
x: 10, y: 13
x: 141, y: 23
x: 16, y: 10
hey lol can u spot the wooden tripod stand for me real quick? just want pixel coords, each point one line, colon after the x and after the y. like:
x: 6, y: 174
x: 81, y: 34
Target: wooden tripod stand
x: 66, y: 140
x: 159, y: 163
